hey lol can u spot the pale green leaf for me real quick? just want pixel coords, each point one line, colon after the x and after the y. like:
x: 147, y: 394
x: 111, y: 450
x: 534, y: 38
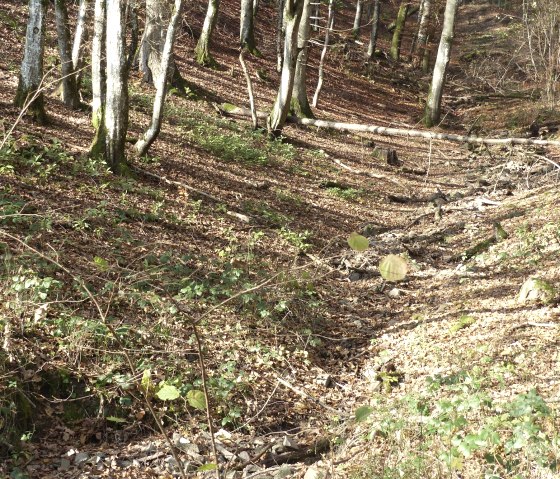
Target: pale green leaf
x: 358, y: 242
x: 196, y: 399
x: 393, y: 268
x: 362, y: 413
x: 207, y: 467
x: 168, y: 393
x: 116, y: 419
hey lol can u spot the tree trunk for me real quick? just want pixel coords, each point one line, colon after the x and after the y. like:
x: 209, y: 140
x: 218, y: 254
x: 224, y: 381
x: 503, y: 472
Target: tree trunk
x: 202, y: 50
x: 399, y: 30
x: 422, y: 37
x: 292, y: 15
x: 374, y: 30
x: 358, y: 18
x: 132, y: 15
x: 300, y: 102
x: 246, y: 30
x: 29, y: 92
x: 152, y: 38
x: 143, y: 144
x: 330, y: 24
x: 98, y: 79
x: 80, y: 35
x: 279, y: 34
x: 116, y: 103
x: 316, y: 12
x: 69, y: 94
x: 433, y: 105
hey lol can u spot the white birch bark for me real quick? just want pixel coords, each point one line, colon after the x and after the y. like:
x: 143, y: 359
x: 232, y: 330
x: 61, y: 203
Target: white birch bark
x: 144, y: 143
x: 31, y: 76
x: 116, y: 102
x: 433, y: 105
x: 69, y: 87
x: 292, y: 16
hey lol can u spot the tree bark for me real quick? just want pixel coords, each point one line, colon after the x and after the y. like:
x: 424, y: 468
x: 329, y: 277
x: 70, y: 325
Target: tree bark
x: 300, y: 102
x: 80, y: 34
x: 358, y: 18
x: 98, y: 79
x: 202, y: 50
x: 433, y: 105
x: 144, y: 143
x: 246, y: 28
x: 69, y: 93
x: 374, y: 30
x: 249, y: 89
x: 132, y: 15
x: 399, y: 30
x: 422, y: 37
x: 279, y: 34
x: 152, y: 38
x: 330, y: 24
x: 293, y: 10
x: 116, y: 103
x: 29, y: 92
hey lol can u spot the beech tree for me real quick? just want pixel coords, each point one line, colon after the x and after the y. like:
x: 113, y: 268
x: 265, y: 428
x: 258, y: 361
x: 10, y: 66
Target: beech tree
x: 300, y: 102
x: 202, y: 50
x: 293, y: 10
x: 374, y: 30
x: 422, y: 35
x: 116, y: 97
x: 399, y: 30
x: 358, y: 18
x: 31, y: 74
x: 98, y: 85
x: 69, y: 86
x: 433, y: 105
x: 79, y: 35
x: 246, y: 27
x: 153, y: 130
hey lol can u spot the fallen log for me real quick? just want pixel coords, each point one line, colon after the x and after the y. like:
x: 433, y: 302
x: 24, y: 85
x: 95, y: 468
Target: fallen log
x: 387, y: 131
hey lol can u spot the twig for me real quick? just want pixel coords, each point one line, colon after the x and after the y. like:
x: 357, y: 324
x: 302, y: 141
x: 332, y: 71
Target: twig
x: 249, y: 89
x: 308, y: 396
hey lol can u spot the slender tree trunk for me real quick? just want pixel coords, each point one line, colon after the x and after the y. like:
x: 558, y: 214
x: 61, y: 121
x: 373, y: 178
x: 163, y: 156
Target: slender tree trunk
x: 280, y: 31
x: 132, y: 16
x: 80, y: 35
x: 31, y: 75
x: 433, y: 105
x: 330, y: 24
x: 202, y: 50
x: 316, y: 12
x: 249, y: 89
x: 374, y: 30
x: 246, y: 30
x: 98, y: 79
x: 422, y: 37
x: 292, y: 15
x: 69, y: 93
x: 358, y: 18
x: 116, y: 103
x: 300, y: 103
x: 415, y: 34
x: 399, y: 30
x: 144, y: 143
x: 152, y: 37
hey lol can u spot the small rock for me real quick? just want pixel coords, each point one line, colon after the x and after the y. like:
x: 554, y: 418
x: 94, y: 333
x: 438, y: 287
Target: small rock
x: 354, y: 276
x: 284, y: 471
x: 314, y: 473
x: 394, y: 293
x: 64, y: 465
x: 535, y: 289
x: 289, y: 443
x: 81, y: 457
x: 244, y: 456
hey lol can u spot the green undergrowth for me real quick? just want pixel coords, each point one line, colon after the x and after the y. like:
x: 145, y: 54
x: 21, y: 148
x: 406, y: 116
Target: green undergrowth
x: 465, y: 424
x: 73, y: 233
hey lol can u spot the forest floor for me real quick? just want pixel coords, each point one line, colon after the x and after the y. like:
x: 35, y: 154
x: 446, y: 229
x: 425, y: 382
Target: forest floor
x: 313, y: 360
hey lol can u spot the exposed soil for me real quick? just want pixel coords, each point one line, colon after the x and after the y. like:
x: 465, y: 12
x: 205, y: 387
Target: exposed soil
x: 317, y: 187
